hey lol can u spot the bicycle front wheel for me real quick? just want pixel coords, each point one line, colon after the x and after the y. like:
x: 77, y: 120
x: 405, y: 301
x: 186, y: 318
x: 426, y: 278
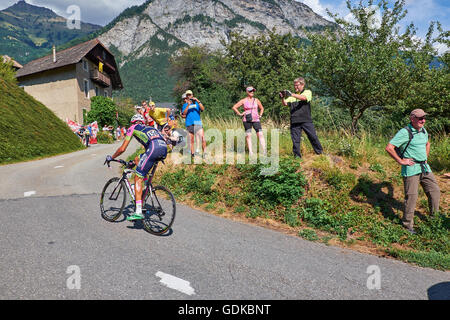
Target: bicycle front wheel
x: 112, y: 200
x: 159, y: 210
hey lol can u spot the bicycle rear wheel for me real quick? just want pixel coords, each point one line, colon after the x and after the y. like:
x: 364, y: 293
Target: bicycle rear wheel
x: 112, y: 200
x: 159, y: 210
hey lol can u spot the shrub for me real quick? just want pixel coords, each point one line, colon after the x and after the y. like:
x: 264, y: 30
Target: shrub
x: 308, y: 234
x: 316, y: 213
x: 104, y: 137
x: 103, y: 110
x: 7, y: 71
x: 292, y: 218
x: 283, y: 188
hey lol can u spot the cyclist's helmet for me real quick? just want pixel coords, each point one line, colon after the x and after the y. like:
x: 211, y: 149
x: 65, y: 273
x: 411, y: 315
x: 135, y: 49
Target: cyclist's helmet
x: 136, y: 118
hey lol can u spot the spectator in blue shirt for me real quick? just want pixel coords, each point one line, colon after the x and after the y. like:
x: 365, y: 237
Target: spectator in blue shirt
x: 191, y: 110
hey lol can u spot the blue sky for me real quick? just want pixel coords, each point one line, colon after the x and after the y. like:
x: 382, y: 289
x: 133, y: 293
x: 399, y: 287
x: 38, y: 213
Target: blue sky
x: 420, y: 12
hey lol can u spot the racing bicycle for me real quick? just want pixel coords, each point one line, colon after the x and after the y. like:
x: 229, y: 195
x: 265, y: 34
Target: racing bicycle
x: 158, y: 203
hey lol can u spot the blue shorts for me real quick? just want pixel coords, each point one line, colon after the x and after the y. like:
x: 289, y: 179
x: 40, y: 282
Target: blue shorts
x: 156, y: 151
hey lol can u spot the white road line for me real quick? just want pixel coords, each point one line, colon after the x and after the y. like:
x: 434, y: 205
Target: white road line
x: 29, y: 193
x: 175, y: 283
x: 57, y: 167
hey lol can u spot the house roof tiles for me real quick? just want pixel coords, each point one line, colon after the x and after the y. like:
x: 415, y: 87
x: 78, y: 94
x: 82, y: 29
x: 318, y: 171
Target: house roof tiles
x: 65, y: 57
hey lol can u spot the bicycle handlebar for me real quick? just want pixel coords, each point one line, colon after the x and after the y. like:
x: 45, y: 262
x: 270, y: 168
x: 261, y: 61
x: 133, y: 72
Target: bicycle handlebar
x: 130, y: 164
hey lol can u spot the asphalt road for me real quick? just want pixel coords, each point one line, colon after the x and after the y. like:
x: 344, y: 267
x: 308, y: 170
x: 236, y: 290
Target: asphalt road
x: 55, y: 245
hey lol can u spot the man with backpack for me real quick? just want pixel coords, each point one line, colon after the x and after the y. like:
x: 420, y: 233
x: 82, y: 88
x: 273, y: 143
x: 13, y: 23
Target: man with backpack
x: 410, y: 147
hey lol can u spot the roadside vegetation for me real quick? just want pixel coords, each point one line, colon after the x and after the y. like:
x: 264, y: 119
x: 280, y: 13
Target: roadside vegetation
x: 365, y: 80
x: 29, y: 129
x: 351, y: 196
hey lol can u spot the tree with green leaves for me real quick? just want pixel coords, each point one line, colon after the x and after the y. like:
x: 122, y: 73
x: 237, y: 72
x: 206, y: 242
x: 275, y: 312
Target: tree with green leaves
x: 430, y: 80
x: 367, y: 63
x: 125, y: 110
x: 103, y: 110
x: 269, y: 63
x: 204, y: 72
x: 7, y: 71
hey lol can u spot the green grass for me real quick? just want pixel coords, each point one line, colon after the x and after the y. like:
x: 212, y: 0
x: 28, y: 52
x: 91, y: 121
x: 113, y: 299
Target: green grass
x: 352, y: 194
x: 431, y: 259
x: 29, y: 129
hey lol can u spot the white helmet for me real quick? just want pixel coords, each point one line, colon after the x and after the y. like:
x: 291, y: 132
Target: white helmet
x: 137, y: 117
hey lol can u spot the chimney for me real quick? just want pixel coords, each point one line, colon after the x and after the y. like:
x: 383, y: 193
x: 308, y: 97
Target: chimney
x: 54, y: 54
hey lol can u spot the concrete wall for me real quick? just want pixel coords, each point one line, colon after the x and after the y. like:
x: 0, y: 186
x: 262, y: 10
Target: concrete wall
x: 56, y: 89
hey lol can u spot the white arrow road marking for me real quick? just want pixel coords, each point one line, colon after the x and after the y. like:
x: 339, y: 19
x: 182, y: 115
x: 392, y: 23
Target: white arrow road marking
x: 175, y: 283
x: 57, y: 167
x: 29, y: 193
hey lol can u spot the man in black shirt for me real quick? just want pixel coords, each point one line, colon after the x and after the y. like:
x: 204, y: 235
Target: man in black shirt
x: 300, y: 107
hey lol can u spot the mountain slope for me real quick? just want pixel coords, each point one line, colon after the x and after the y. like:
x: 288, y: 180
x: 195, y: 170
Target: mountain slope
x: 206, y: 22
x: 28, y: 32
x: 143, y: 37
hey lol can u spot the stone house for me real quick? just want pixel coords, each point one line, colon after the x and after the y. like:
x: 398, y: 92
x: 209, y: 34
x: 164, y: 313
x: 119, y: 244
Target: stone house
x: 66, y: 80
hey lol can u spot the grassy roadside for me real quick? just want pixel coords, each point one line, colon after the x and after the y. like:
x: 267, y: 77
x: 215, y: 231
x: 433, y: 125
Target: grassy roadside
x: 351, y: 196
x: 29, y: 129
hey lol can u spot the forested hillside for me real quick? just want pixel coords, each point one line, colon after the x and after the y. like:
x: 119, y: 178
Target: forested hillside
x: 28, y: 32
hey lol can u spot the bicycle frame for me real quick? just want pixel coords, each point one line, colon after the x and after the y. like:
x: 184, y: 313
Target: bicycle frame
x: 130, y: 190
x: 158, y: 215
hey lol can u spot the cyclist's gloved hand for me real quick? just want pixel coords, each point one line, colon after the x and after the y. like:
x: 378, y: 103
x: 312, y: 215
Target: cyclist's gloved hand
x: 109, y: 158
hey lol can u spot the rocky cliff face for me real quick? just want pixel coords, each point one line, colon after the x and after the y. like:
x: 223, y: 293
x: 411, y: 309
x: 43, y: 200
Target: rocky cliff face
x: 205, y: 22
x: 144, y: 37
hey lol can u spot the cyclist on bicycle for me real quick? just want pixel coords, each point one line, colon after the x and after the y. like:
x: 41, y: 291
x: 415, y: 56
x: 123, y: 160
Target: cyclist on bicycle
x: 155, y: 149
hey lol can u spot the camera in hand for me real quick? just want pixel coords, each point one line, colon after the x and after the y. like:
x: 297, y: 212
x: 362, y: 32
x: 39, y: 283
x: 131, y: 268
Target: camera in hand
x: 285, y: 93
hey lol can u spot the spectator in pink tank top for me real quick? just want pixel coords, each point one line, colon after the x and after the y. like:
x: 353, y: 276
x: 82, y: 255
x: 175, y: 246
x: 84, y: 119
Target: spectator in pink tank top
x: 251, y: 118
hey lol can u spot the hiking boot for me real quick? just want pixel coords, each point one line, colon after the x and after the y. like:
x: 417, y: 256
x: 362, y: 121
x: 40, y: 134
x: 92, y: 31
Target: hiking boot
x: 135, y: 216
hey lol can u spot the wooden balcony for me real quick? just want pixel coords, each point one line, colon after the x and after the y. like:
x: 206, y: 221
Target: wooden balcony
x: 100, y: 78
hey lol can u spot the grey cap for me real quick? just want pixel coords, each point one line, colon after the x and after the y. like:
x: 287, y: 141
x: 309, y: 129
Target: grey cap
x: 418, y: 113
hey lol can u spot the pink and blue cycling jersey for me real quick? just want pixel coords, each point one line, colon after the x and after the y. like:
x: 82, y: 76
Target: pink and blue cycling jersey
x: 144, y: 134
x: 154, y: 143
